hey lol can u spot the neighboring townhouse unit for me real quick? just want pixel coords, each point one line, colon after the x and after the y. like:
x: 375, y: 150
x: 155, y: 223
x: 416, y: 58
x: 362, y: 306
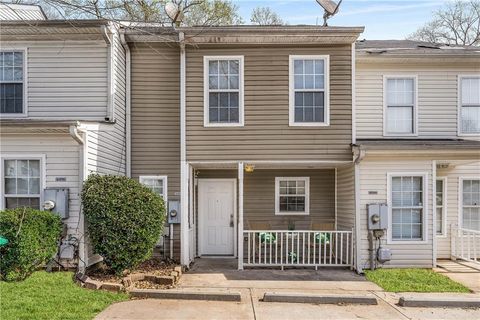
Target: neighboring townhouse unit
x: 62, y: 111
x: 418, y: 150
x: 250, y: 128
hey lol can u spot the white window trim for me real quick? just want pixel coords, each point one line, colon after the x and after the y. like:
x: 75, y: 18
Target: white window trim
x: 460, y: 197
x: 425, y: 215
x: 277, y: 196
x: 459, y: 105
x: 142, y: 179
x: 415, y: 105
x: 445, y: 208
x: 206, y: 90
x: 291, y: 84
x: 43, y: 173
x: 25, y: 82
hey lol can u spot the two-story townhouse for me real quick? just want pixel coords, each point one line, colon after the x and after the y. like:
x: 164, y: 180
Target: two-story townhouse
x: 417, y: 149
x: 250, y: 128
x: 62, y: 110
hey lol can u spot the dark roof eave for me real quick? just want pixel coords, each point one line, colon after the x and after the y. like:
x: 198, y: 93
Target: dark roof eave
x: 418, y: 144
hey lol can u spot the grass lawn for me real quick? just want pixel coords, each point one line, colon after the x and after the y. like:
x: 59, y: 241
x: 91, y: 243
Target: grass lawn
x: 52, y: 296
x: 413, y: 280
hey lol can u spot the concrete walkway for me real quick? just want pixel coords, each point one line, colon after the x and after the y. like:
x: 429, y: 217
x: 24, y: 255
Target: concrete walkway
x: 466, y: 273
x: 220, y: 274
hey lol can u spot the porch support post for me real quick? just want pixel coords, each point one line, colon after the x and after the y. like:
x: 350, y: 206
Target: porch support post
x: 240, y: 216
x: 434, y: 214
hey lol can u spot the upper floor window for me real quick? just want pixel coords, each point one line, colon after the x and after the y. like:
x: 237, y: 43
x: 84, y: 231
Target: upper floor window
x: 12, y: 82
x: 309, y: 96
x: 223, y: 91
x: 470, y: 105
x: 400, y: 106
x: 22, y: 183
x: 157, y: 184
x: 292, y: 195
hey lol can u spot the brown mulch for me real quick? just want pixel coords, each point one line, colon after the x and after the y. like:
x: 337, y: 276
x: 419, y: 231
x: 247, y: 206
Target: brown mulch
x: 150, y: 285
x: 153, y: 266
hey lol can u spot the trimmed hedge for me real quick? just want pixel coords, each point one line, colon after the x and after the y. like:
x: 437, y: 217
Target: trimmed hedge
x: 124, y: 219
x: 33, y: 237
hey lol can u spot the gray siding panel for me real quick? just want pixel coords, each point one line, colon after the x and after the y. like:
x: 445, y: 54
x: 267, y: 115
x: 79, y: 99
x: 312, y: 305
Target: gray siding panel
x: 266, y: 134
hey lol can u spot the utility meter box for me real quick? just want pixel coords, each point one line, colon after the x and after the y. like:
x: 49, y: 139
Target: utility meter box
x: 174, y: 211
x: 56, y: 200
x: 377, y: 216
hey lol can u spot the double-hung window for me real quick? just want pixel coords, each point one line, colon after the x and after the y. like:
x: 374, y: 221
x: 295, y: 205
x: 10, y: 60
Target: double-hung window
x: 309, y: 91
x: 223, y: 91
x: 441, y: 206
x: 400, y: 106
x: 157, y: 184
x: 469, y: 105
x: 471, y: 204
x: 22, y: 182
x: 407, y: 207
x: 292, y: 195
x: 12, y: 82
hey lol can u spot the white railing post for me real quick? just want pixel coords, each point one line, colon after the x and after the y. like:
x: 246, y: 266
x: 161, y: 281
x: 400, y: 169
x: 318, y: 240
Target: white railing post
x: 240, y: 216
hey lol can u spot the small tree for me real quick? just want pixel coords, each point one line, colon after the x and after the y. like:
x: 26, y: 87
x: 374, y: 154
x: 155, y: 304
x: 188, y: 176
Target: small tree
x: 264, y: 16
x: 458, y: 23
x: 124, y: 219
x: 33, y: 237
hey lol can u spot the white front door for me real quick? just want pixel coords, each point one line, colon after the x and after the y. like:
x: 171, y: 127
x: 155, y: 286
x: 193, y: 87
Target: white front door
x: 216, y: 216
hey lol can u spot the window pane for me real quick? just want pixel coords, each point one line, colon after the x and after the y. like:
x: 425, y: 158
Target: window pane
x: 470, y: 119
x: 299, y: 82
x: 298, y: 66
x: 22, y: 168
x: 11, y: 98
x: 400, y: 119
x: 233, y: 82
x: 10, y: 185
x: 10, y: 168
x: 400, y: 92
x: 470, y: 91
x: 233, y: 67
x: 406, y: 197
x: 223, y: 67
x: 12, y: 203
x: 34, y: 186
x: 213, y: 82
x: 213, y: 67
x: 223, y: 82
x: 22, y: 186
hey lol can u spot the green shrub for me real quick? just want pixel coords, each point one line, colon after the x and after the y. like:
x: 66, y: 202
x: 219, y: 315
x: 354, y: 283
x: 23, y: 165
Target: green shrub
x: 124, y: 219
x: 33, y: 237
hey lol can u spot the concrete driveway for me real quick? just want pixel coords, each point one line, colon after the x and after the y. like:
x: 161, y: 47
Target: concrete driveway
x: 220, y: 275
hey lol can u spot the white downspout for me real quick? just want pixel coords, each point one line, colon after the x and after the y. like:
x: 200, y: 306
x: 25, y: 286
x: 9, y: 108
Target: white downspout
x: 128, y: 107
x: 184, y: 241
x: 240, y: 216
x: 110, y: 77
x: 82, y: 254
x: 434, y: 214
x: 354, y: 97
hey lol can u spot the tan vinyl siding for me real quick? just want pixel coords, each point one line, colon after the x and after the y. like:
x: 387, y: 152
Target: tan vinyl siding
x: 373, y: 177
x: 62, y: 160
x: 452, y: 175
x: 345, y: 198
x: 437, y: 97
x: 66, y: 79
x: 156, y: 113
x: 259, y: 196
x: 266, y: 133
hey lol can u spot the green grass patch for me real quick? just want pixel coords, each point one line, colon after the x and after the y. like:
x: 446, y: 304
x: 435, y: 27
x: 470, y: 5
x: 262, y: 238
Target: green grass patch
x: 413, y: 280
x: 52, y: 296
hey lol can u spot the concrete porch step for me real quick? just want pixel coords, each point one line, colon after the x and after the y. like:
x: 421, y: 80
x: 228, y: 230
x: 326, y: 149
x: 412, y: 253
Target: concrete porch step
x: 179, y: 294
x: 366, y: 299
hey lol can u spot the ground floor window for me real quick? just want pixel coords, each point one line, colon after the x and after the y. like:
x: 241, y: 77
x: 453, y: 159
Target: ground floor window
x: 407, y: 207
x: 292, y: 195
x: 440, y: 205
x: 471, y: 204
x: 157, y: 184
x: 22, y: 185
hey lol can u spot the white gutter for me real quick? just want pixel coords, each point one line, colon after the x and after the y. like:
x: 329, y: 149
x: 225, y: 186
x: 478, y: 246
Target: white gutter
x: 110, y: 77
x: 128, y: 106
x: 354, y: 107
x: 82, y: 252
x: 184, y: 251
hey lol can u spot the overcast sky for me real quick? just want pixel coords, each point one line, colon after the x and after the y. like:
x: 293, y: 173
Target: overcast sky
x: 383, y: 19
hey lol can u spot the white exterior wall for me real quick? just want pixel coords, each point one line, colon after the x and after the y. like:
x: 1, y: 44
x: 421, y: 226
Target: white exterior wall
x: 65, y: 79
x: 453, y: 173
x: 437, y: 97
x: 61, y: 154
x: 373, y: 177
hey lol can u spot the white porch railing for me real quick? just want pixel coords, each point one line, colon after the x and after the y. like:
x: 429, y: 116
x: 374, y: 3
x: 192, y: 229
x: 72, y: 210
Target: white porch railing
x: 265, y: 248
x: 465, y: 244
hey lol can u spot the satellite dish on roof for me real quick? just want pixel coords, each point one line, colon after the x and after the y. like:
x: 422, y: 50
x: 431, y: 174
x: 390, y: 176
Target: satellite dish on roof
x: 174, y: 12
x: 330, y: 7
